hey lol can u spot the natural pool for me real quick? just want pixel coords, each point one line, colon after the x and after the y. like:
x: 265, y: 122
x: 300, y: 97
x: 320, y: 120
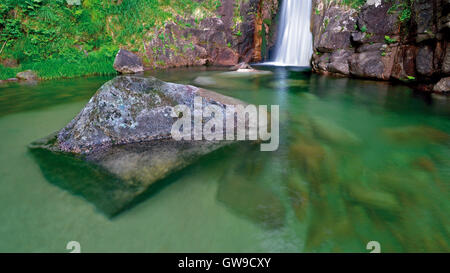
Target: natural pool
x: 358, y: 161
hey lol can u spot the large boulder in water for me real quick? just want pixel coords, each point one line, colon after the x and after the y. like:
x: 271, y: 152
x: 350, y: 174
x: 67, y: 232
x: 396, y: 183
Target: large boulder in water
x: 120, y: 143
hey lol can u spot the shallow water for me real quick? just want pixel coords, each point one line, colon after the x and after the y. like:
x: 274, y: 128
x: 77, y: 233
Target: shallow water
x: 358, y: 161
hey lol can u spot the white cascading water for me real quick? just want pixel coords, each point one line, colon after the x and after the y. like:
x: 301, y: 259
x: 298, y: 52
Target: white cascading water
x: 294, y: 42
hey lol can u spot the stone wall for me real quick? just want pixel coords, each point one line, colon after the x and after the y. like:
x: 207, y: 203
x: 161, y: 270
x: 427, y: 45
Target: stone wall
x: 372, y: 42
x: 238, y: 31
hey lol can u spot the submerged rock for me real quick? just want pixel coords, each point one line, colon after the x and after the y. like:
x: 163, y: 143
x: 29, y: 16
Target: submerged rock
x: 374, y: 199
x: 416, y: 134
x: 242, y: 189
x: 289, y: 83
x: 120, y: 142
x: 299, y: 195
x: 330, y: 132
x: 127, y: 62
x: 205, y: 81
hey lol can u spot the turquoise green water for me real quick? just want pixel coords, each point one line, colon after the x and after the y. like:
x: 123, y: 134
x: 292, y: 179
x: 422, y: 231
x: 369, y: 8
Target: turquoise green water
x: 358, y: 161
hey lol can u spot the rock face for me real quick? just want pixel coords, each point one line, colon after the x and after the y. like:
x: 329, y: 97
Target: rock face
x: 121, y: 139
x: 239, y: 31
x: 127, y: 62
x: 378, y: 41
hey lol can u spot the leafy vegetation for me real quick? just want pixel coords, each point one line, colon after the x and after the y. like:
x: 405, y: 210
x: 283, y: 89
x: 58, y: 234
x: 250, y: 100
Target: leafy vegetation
x: 389, y: 40
x: 354, y: 3
x: 61, y: 40
x: 403, y: 8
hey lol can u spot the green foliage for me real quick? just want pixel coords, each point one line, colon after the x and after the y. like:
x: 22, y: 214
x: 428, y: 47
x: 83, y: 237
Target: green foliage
x: 51, y: 35
x: 364, y: 29
x: 326, y: 22
x: 403, y: 8
x: 7, y: 72
x: 389, y: 40
x: 356, y: 4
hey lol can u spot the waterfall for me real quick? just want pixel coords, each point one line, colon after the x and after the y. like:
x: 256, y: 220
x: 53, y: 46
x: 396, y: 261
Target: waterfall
x: 294, y: 41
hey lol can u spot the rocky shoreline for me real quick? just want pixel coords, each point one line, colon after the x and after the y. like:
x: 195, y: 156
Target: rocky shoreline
x: 378, y: 42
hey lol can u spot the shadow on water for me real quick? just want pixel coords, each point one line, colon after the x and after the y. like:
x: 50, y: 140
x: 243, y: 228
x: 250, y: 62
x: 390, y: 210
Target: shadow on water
x: 113, y: 195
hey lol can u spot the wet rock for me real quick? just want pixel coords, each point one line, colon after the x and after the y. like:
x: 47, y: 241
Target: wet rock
x: 244, y: 73
x: 122, y: 140
x: 378, y: 21
x: 370, y: 47
x: 335, y: 28
x: 443, y: 86
x: 339, y: 62
x: 423, y: 13
x: 367, y: 65
x: 225, y: 57
x: 127, y: 62
x: 27, y: 75
x: 404, y: 63
x: 205, y: 81
x: 379, y: 48
x: 242, y: 65
x: 320, y: 62
x: 424, y: 61
x: 358, y: 37
x: 446, y: 63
